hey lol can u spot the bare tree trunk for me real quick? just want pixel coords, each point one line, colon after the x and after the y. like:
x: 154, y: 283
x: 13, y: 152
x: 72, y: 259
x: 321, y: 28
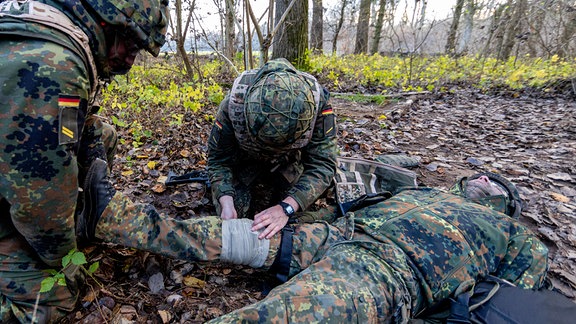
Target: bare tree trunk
x: 536, y: 23
x: 451, y: 41
x: 378, y: 27
x: 316, y: 33
x: 339, y: 25
x: 291, y: 41
x: 563, y: 47
x: 468, y: 27
x: 496, y: 35
x: 229, y: 30
x: 180, y: 36
x: 362, y: 28
x: 512, y: 29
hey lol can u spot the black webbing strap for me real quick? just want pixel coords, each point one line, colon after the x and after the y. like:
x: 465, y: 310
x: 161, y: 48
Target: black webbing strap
x: 281, y: 266
x: 459, y: 309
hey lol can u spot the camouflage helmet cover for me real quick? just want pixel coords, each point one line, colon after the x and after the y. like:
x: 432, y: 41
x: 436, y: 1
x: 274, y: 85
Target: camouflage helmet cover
x: 279, y: 108
x: 146, y: 19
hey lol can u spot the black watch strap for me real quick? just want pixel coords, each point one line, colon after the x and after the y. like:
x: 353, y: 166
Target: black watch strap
x: 288, y: 210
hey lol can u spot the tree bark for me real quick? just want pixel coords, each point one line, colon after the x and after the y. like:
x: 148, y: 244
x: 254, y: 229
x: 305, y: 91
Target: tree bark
x: 291, y: 42
x: 378, y: 27
x: 512, y: 29
x: 229, y: 30
x: 339, y: 26
x: 451, y: 40
x: 316, y: 32
x: 563, y: 48
x: 468, y: 27
x: 362, y: 28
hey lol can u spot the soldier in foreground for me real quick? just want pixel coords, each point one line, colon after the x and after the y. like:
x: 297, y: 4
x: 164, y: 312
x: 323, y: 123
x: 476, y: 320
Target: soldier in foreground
x: 383, y: 262
x: 272, y: 149
x: 53, y: 55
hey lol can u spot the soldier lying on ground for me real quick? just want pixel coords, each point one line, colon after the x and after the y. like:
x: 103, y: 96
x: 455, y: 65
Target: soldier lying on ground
x: 386, y: 261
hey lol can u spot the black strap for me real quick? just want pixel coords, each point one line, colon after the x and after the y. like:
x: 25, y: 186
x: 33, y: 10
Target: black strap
x: 459, y: 309
x: 363, y: 201
x: 281, y: 266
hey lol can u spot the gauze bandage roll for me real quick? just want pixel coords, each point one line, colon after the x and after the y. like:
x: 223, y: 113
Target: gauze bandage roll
x: 240, y: 245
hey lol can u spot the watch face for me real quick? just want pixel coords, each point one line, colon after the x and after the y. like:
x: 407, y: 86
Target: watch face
x: 288, y: 210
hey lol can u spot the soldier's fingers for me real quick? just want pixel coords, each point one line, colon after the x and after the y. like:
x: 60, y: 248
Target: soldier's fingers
x: 269, y: 231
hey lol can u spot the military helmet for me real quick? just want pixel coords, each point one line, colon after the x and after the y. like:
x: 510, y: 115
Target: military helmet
x: 502, y: 195
x: 147, y: 20
x: 279, y: 108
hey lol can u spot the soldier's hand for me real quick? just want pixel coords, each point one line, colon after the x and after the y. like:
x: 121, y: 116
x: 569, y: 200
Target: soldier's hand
x: 273, y: 219
x: 228, y: 210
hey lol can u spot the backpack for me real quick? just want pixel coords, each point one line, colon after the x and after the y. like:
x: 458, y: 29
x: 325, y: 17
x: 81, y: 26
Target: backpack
x: 494, y: 300
x: 360, y: 182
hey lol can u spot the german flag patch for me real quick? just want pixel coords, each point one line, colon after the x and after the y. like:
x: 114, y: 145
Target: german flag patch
x: 327, y: 111
x: 329, y: 125
x: 68, y: 116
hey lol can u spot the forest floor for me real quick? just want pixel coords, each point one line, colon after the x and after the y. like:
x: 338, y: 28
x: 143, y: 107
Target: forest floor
x: 528, y: 138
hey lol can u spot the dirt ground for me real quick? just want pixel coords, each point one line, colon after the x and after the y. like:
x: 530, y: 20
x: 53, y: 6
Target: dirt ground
x: 530, y: 140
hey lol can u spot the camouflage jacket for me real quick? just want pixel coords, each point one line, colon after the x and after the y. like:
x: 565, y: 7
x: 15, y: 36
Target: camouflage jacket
x: 448, y: 244
x: 315, y: 163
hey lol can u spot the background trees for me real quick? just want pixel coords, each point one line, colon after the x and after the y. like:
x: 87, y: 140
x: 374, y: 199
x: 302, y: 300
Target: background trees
x: 290, y: 28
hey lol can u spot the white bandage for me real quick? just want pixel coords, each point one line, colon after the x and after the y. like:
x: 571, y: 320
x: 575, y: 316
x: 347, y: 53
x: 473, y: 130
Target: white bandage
x: 240, y: 245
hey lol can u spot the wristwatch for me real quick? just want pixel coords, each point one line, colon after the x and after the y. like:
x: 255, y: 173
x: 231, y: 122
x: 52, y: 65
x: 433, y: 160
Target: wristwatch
x: 288, y: 210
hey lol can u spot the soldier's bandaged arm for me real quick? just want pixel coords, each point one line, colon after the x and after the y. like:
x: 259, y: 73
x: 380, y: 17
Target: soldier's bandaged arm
x: 240, y: 245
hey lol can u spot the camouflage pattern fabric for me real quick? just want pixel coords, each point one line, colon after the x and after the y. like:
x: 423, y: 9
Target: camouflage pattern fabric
x: 51, y: 54
x: 382, y: 263
x: 309, y: 170
x: 44, y: 97
x: 406, y: 254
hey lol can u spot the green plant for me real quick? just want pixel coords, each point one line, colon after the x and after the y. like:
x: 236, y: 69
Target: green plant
x: 73, y: 257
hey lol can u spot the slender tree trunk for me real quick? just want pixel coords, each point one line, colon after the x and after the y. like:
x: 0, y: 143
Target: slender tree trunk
x: 468, y: 27
x: 316, y: 33
x: 229, y: 30
x: 362, y: 28
x: 536, y: 24
x: 291, y: 41
x: 339, y: 26
x: 378, y: 27
x: 181, y: 36
x: 513, y: 29
x: 451, y: 41
x: 563, y: 48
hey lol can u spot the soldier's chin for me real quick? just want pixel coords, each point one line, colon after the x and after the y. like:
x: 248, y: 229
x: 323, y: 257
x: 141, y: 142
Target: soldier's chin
x: 119, y: 67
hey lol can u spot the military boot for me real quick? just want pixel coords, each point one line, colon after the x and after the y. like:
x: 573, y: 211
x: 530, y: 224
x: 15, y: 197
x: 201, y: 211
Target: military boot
x: 98, y: 192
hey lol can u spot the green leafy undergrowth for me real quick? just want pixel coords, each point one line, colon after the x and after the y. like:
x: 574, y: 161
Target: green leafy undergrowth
x: 433, y: 73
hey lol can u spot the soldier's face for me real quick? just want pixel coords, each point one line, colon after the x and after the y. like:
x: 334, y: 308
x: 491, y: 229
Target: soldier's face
x: 482, y: 187
x: 121, y: 54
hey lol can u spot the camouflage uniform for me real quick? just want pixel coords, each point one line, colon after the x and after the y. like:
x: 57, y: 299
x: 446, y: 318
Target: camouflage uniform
x: 51, y: 56
x: 240, y: 168
x: 386, y: 262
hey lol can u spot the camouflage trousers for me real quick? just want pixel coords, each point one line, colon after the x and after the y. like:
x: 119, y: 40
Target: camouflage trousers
x: 21, y: 270
x: 43, y: 104
x: 346, y: 272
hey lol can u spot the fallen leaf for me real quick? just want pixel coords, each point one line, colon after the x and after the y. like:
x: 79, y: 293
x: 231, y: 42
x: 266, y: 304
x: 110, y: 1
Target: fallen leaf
x: 193, y: 282
x: 185, y: 153
x: 159, y: 188
x: 127, y: 173
x: 559, y: 197
x: 151, y: 165
x: 165, y: 316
